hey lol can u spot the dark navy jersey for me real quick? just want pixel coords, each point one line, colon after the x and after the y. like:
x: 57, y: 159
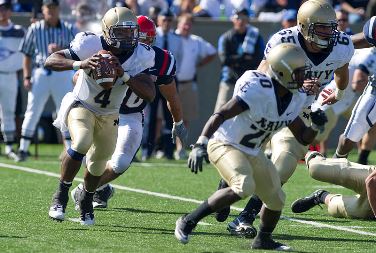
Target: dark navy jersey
x: 164, y: 69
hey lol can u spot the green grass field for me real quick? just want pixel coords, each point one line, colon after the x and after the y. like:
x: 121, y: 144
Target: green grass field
x: 144, y: 221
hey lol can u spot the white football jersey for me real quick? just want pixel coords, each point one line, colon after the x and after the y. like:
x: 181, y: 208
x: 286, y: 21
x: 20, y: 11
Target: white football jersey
x: 364, y: 59
x: 322, y: 65
x: 87, y: 91
x: 251, y: 128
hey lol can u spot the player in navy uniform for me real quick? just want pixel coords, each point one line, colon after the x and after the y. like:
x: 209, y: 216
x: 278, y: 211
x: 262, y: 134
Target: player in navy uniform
x: 91, y: 112
x: 131, y: 116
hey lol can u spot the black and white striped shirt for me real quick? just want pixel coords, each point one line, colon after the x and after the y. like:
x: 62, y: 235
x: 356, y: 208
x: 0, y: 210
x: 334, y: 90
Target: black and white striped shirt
x: 39, y: 35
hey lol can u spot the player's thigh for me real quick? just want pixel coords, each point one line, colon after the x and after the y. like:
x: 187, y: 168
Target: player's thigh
x: 233, y: 166
x: 362, y: 119
x: 81, y: 123
x: 128, y: 140
x: 340, y: 172
x: 104, y: 141
x: 286, y: 152
x: 332, y: 121
x: 356, y: 207
x: 268, y: 182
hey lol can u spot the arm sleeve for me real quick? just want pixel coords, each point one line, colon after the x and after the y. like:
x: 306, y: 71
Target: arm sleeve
x: 27, y: 46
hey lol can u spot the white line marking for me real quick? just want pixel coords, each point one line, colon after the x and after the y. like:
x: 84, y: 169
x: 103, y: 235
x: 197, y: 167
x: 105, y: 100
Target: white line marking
x: 328, y: 186
x: 168, y: 196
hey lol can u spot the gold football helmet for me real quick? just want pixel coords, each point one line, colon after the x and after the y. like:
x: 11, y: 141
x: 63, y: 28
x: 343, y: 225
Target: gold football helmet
x: 317, y: 23
x: 287, y: 65
x: 120, y: 28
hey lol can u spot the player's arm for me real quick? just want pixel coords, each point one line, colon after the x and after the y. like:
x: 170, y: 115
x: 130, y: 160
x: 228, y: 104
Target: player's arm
x: 306, y: 135
x: 371, y: 190
x: 62, y: 60
x: 360, y: 41
x: 171, y: 95
x: 360, y: 79
x: 341, y: 78
x: 229, y: 110
x: 143, y: 85
x: 27, y: 70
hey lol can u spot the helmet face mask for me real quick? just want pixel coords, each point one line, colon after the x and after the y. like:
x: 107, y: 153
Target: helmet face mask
x: 120, y: 28
x: 323, y: 35
x: 287, y: 65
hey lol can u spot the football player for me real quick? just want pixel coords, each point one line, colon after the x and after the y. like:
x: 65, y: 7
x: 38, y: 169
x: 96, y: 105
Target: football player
x: 328, y: 52
x: 362, y: 64
x: 261, y: 105
x: 131, y: 116
x: 354, y: 176
x: 91, y: 112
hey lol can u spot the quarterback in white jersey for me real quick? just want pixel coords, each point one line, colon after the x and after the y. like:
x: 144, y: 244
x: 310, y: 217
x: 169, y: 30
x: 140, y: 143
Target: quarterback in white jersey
x: 261, y: 104
x: 91, y: 112
x: 328, y: 53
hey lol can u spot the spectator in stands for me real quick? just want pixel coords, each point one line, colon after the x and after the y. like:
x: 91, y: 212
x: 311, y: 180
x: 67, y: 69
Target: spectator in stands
x: 197, y: 52
x: 184, y: 6
x: 85, y: 15
x: 289, y: 19
x: 144, y: 5
x: 239, y: 49
x: 343, y: 21
x: 273, y: 10
x: 165, y: 39
x: 355, y: 8
x: 371, y: 9
x: 220, y: 9
x: 154, y: 13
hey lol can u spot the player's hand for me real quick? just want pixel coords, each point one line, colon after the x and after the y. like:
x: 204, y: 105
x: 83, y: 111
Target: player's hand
x: 196, y: 157
x: 91, y: 62
x: 318, y: 120
x: 53, y: 47
x: 28, y: 84
x: 116, y: 65
x: 312, y: 86
x: 329, y: 97
x: 179, y: 130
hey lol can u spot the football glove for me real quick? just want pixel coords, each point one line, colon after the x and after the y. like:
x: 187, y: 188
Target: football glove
x: 179, y: 130
x: 196, y: 157
x: 318, y: 120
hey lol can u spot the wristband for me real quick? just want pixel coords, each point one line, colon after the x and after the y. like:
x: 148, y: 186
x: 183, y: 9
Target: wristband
x: 202, y: 140
x: 178, y: 123
x: 77, y: 65
x: 125, y: 77
x: 339, y: 94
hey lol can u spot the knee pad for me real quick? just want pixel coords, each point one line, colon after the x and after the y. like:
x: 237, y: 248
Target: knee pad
x: 242, y: 185
x: 96, y: 168
x: 120, y: 163
x: 275, y: 200
x: 75, y: 155
x: 285, y: 163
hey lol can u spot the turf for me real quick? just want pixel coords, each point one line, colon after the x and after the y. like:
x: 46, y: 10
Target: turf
x: 137, y: 222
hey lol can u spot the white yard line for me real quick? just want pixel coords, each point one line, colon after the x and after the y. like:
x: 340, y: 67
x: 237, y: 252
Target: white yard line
x: 168, y: 196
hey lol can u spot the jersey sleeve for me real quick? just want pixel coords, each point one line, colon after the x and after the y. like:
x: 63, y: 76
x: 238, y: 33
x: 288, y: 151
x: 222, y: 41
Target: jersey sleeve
x: 273, y: 41
x: 368, y: 65
x: 84, y: 45
x: 164, y: 67
x: 205, y: 48
x: 346, y: 48
x: 247, y: 90
x: 143, y: 59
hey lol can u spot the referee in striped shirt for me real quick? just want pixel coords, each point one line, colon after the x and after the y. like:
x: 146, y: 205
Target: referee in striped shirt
x: 42, y: 39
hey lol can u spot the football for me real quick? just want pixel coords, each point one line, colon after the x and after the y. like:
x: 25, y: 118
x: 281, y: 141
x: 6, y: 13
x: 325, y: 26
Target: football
x: 104, y: 74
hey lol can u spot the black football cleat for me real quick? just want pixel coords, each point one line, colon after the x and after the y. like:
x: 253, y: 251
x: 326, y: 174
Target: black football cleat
x: 304, y: 204
x: 266, y: 242
x: 100, y: 198
x: 242, y: 225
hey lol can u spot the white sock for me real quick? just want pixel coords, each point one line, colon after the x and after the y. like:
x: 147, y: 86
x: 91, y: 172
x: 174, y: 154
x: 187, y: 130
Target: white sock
x: 8, y: 149
x: 24, y: 144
